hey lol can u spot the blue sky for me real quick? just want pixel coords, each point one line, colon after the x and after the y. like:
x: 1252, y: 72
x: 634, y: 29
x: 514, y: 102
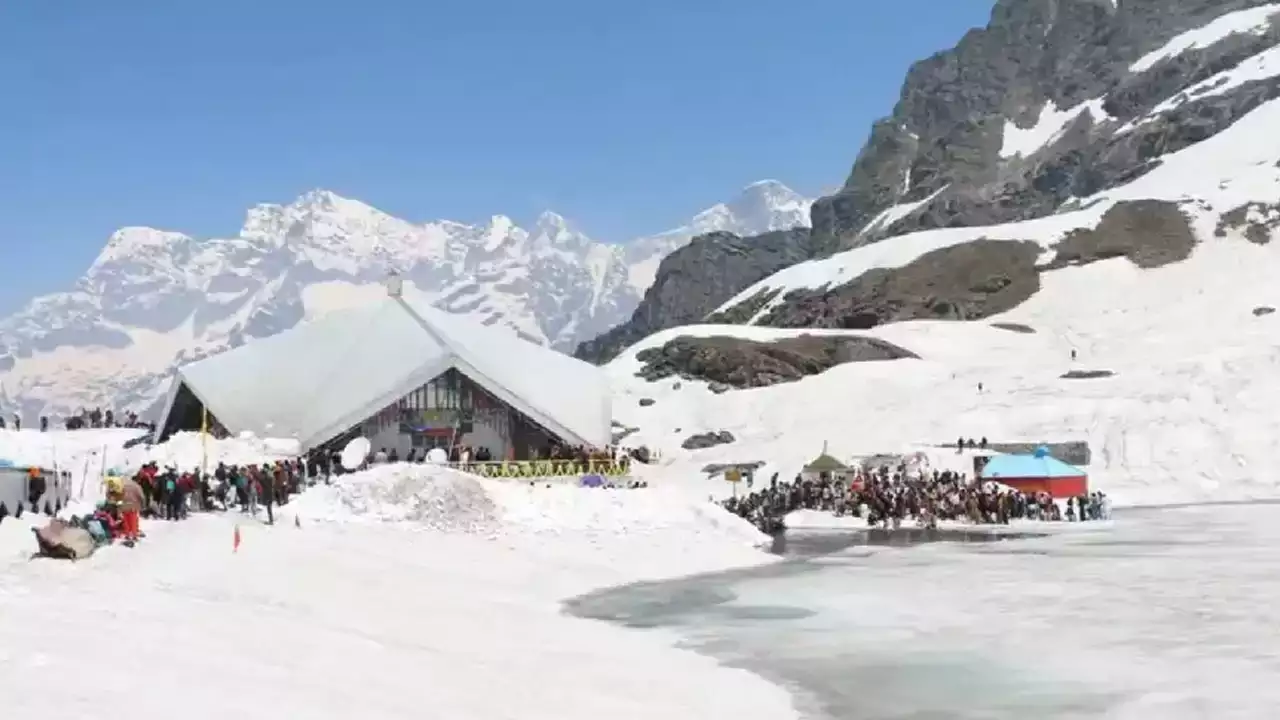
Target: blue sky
x: 625, y: 117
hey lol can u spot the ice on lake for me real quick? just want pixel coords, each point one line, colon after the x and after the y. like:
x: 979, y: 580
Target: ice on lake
x: 1169, y: 614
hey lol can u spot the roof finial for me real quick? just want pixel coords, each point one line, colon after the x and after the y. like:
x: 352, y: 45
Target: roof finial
x: 824, y: 447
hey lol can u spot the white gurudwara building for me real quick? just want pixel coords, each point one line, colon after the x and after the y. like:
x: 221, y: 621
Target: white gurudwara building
x: 402, y: 373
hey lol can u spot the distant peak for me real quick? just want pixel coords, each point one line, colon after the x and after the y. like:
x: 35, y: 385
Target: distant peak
x: 137, y: 242
x: 770, y: 189
x: 328, y: 201
x: 552, y: 218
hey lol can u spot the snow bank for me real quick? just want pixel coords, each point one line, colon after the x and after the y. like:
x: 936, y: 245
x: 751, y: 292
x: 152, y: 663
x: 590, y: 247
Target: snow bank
x: 440, y: 499
x: 184, y: 451
x: 59, y: 448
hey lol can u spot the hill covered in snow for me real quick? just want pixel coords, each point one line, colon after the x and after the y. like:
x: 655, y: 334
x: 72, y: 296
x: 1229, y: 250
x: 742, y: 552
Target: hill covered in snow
x: 154, y: 299
x: 1162, y: 288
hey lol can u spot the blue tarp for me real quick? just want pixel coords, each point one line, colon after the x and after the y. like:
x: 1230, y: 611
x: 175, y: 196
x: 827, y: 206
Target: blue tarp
x: 1038, y: 465
x: 592, y: 480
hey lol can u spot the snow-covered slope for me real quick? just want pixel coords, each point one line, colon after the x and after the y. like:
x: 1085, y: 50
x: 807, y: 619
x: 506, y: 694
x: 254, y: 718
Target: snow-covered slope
x: 153, y: 299
x: 347, y: 617
x: 1194, y: 348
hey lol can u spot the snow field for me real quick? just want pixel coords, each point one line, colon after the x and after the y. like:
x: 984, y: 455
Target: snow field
x: 349, y: 614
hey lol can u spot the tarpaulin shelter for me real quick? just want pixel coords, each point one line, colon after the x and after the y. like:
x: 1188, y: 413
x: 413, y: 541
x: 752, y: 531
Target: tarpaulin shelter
x: 1037, y: 472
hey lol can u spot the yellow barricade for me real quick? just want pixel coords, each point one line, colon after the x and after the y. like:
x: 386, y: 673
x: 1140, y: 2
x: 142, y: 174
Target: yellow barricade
x: 544, y: 468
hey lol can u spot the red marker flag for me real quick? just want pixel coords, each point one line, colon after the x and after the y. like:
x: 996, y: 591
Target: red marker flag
x: 235, y: 540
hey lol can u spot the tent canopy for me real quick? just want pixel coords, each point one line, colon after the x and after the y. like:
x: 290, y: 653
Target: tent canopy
x: 1038, y: 465
x: 825, y: 463
x: 317, y: 380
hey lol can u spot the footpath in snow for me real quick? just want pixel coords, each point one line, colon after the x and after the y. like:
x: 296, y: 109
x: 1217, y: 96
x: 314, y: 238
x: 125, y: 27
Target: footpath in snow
x: 409, y: 591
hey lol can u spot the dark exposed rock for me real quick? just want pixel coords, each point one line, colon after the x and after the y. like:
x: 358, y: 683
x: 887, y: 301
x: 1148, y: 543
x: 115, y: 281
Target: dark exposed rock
x: 729, y: 362
x: 702, y: 441
x: 1263, y: 310
x: 1015, y: 327
x: 622, y: 434
x: 696, y: 279
x: 969, y: 281
x: 1149, y: 233
x: 743, y: 312
x: 646, y: 402
x: 1086, y: 374
x: 1256, y: 220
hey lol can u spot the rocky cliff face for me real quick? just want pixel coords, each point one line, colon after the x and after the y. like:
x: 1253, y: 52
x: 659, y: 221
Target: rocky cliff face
x: 1052, y: 100
x: 697, y: 278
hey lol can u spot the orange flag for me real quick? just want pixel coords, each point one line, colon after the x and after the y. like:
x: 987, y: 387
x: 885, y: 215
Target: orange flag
x: 235, y: 540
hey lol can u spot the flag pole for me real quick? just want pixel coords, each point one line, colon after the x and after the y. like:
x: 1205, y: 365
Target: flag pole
x: 204, y: 441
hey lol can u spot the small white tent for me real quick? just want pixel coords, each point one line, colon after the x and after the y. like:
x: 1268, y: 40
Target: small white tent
x: 317, y: 380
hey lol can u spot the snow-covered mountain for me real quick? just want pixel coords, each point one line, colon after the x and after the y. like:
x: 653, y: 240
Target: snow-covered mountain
x: 1129, y: 315
x: 154, y: 299
x: 1142, y: 322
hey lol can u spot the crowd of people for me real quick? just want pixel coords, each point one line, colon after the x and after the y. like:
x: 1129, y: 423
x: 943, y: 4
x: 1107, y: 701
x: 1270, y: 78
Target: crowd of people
x: 887, y: 497
x: 171, y: 494
x: 95, y: 419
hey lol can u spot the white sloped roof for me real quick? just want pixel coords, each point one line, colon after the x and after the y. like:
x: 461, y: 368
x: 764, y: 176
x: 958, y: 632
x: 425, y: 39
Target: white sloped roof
x: 563, y: 394
x: 318, y: 379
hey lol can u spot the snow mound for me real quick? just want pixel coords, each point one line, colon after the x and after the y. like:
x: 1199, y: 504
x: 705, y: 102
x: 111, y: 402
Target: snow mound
x: 185, y: 449
x: 428, y: 497
x: 444, y: 500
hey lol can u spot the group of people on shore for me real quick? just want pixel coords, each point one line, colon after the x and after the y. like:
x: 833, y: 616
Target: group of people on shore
x: 887, y: 497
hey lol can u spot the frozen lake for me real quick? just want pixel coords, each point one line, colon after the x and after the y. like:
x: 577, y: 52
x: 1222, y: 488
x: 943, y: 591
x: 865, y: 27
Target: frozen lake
x: 1170, y: 614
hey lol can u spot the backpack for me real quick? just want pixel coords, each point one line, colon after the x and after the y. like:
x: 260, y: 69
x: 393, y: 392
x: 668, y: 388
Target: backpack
x: 170, y: 485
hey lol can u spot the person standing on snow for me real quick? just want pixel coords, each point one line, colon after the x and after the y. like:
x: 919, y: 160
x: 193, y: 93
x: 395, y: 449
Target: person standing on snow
x: 131, y: 500
x: 268, y: 493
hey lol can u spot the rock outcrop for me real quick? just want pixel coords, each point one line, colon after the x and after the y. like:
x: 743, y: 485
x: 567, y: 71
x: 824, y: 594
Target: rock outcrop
x: 694, y: 280
x: 1149, y: 233
x: 1015, y: 327
x: 1086, y: 374
x: 701, y: 441
x: 969, y: 281
x: 1256, y: 221
x: 982, y: 278
x: 737, y: 363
